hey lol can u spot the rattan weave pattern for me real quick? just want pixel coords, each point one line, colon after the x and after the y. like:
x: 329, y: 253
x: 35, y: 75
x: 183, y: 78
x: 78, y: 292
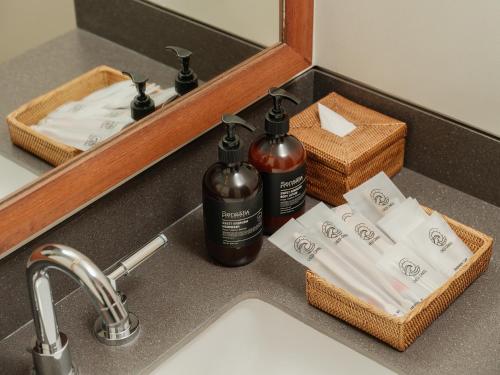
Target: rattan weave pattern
x: 335, y: 164
x: 401, y: 332
x: 21, y: 120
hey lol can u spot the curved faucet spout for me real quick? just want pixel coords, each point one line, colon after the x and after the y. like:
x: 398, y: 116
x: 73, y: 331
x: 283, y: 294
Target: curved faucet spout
x: 50, y: 343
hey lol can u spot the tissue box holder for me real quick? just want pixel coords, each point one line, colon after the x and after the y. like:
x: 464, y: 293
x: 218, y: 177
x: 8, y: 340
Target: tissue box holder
x: 336, y: 164
x: 31, y: 113
x: 401, y: 332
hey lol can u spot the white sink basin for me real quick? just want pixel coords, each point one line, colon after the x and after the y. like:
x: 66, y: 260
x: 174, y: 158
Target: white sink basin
x: 255, y: 337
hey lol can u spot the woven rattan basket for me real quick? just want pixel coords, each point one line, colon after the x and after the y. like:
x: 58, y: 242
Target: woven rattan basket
x: 335, y: 164
x: 401, y: 332
x: 21, y: 120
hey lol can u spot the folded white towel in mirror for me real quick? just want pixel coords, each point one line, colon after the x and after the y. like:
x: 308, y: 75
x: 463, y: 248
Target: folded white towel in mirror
x: 333, y: 122
x: 85, y: 123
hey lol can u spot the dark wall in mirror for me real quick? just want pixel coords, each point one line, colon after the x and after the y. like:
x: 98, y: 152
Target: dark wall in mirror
x: 255, y: 21
x: 147, y: 28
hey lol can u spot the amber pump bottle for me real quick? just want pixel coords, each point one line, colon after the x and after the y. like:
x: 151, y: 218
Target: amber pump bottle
x: 281, y: 161
x: 232, y: 201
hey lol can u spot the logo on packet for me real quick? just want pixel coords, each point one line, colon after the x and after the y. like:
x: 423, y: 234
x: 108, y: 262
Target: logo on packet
x: 346, y: 216
x: 92, y: 140
x: 364, y: 232
x: 379, y: 198
x: 411, y: 269
x: 109, y: 125
x: 436, y: 237
x: 332, y: 232
x: 439, y: 239
x: 306, y: 247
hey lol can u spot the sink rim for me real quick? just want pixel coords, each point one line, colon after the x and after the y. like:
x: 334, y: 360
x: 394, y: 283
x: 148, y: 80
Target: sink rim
x: 201, y: 328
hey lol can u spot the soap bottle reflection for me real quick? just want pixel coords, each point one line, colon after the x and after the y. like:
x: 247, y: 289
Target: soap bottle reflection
x: 186, y: 79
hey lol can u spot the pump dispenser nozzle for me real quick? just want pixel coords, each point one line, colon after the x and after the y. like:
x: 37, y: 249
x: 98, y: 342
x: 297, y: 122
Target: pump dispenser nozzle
x: 230, y: 147
x: 142, y: 105
x: 277, y: 121
x: 187, y: 79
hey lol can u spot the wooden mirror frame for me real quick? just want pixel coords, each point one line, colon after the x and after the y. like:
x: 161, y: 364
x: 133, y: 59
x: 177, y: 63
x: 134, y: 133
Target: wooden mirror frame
x: 66, y: 189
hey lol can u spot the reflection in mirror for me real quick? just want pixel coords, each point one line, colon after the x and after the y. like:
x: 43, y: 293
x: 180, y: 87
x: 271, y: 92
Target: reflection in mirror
x: 14, y: 176
x: 67, y: 91
x: 256, y: 21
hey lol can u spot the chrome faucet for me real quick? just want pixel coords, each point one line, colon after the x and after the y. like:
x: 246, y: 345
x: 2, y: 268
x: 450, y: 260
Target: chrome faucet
x: 114, y: 326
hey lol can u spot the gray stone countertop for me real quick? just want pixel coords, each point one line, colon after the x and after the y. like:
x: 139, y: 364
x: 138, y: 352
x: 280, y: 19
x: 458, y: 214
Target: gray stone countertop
x: 56, y: 62
x: 179, y: 291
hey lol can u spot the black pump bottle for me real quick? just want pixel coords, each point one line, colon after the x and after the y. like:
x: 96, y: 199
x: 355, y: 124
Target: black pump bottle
x: 232, y: 201
x: 186, y: 79
x: 142, y: 105
x: 281, y: 161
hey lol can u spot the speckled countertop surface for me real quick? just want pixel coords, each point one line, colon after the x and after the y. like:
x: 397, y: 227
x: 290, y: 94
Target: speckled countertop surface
x: 179, y: 291
x: 56, y: 62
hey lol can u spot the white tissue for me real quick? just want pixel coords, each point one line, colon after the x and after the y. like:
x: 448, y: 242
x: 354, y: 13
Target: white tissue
x: 333, y: 122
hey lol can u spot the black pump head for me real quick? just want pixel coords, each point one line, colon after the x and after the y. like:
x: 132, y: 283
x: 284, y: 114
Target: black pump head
x: 187, y: 79
x: 277, y: 121
x: 142, y: 105
x: 230, y: 147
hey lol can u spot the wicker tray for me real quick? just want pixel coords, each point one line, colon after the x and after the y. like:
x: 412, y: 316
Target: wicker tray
x: 21, y: 120
x: 401, y: 332
x: 335, y: 164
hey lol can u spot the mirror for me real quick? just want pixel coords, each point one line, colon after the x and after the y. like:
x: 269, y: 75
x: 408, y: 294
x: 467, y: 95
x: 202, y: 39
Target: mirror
x: 254, y: 21
x: 233, y: 72
x: 68, y: 39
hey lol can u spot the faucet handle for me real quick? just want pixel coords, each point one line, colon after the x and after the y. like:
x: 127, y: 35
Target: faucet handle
x: 125, y: 333
x: 133, y: 261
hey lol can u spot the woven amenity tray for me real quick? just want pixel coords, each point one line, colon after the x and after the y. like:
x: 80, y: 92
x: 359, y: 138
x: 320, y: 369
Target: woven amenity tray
x: 401, y: 332
x: 20, y: 120
x: 336, y: 164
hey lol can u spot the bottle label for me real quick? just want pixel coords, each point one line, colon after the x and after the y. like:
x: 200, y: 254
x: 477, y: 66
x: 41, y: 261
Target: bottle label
x: 284, y: 193
x: 233, y: 223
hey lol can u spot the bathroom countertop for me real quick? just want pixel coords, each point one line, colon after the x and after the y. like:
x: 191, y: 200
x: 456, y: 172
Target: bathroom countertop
x: 56, y: 62
x: 186, y: 291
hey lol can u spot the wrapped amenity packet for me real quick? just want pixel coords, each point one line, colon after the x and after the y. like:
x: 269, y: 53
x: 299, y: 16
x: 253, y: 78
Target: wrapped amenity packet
x: 325, y: 224
x: 402, y: 219
x: 312, y: 252
x: 364, y: 229
x: 402, y: 263
x: 344, y: 211
x: 375, y: 197
x: 439, y: 245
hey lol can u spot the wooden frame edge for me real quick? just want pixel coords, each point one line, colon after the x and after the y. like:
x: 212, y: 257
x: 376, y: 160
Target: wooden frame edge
x: 34, y: 208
